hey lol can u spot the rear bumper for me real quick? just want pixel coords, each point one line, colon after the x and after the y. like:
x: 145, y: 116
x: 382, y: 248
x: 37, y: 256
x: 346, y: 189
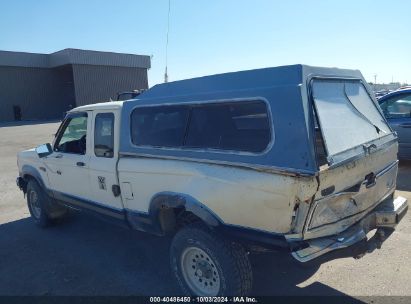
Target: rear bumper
x: 353, y: 241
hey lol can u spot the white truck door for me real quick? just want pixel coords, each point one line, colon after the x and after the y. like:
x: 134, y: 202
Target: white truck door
x: 68, y: 165
x: 103, y: 159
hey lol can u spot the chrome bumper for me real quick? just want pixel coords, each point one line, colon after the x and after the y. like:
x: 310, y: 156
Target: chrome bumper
x: 384, y: 218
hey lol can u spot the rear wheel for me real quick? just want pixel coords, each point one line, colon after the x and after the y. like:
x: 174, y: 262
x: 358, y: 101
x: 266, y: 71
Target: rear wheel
x: 207, y: 265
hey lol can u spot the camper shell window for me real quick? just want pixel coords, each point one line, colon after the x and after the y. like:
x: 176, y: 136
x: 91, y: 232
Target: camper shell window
x: 234, y: 126
x: 347, y: 115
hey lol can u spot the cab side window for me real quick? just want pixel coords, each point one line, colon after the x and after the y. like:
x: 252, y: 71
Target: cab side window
x: 104, y: 135
x: 72, y: 136
x: 398, y: 106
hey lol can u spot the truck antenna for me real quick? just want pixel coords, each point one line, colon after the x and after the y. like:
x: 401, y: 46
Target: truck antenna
x: 168, y: 30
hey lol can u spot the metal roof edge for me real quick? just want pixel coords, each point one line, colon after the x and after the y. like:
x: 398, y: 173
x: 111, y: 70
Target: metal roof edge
x: 73, y: 56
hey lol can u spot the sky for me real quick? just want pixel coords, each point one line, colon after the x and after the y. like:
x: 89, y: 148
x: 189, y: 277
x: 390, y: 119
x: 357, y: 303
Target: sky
x: 216, y: 36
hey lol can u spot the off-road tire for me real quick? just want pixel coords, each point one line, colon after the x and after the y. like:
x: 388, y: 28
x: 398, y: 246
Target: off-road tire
x: 230, y: 259
x: 47, y: 212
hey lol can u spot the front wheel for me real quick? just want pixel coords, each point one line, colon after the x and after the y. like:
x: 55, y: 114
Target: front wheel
x: 36, y: 201
x: 41, y: 207
x: 207, y: 265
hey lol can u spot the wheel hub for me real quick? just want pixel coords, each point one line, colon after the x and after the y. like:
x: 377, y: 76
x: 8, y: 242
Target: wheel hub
x: 204, y: 270
x: 199, y: 272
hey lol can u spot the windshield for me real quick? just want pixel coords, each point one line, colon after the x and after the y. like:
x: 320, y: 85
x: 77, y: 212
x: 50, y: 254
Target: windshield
x: 347, y: 115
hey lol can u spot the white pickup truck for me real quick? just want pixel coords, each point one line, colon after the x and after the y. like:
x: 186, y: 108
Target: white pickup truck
x: 296, y: 158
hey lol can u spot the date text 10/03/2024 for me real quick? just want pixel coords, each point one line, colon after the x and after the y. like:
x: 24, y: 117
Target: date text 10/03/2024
x: 203, y: 300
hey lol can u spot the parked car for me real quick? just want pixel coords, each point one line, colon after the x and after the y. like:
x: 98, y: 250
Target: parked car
x: 379, y: 94
x: 397, y: 109
x: 295, y: 158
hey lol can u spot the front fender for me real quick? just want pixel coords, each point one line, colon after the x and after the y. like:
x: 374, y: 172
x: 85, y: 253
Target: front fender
x: 30, y: 171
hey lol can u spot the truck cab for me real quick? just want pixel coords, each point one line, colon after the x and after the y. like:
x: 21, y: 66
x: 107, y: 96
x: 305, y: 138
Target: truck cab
x: 83, y: 160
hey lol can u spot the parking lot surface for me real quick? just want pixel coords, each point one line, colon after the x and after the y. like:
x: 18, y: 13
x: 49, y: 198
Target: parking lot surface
x: 86, y: 256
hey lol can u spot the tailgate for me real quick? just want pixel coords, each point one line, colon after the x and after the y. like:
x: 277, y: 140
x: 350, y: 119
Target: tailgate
x: 347, y: 193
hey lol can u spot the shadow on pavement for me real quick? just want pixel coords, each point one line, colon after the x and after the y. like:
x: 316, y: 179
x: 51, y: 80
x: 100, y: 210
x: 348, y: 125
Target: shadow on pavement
x: 404, y: 176
x: 27, y: 122
x: 85, y: 256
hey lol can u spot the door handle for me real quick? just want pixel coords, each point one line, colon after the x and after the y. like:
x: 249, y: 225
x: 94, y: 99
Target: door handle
x: 405, y: 125
x: 81, y: 164
x: 59, y: 156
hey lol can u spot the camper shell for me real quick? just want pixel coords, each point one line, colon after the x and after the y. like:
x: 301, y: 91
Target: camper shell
x: 286, y: 90
x: 299, y: 100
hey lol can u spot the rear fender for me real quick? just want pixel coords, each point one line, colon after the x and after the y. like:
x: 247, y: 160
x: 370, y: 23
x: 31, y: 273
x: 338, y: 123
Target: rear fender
x: 164, y: 201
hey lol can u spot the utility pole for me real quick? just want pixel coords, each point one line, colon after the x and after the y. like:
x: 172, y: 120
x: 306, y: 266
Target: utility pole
x: 375, y: 82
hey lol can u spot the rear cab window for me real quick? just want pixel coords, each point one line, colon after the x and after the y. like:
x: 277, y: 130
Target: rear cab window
x: 242, y: 126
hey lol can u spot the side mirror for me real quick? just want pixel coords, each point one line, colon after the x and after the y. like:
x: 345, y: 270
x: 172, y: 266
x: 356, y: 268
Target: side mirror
x: 44, y: 150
